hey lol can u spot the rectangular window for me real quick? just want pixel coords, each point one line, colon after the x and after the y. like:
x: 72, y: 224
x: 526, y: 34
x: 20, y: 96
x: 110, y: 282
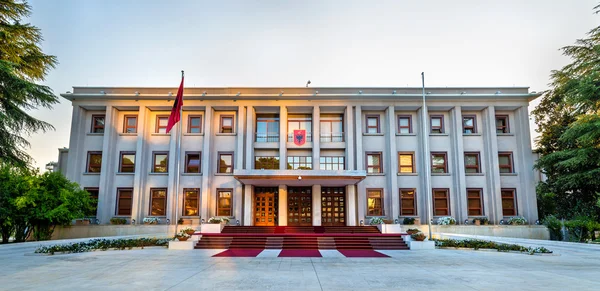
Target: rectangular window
x: 299, y: 121
x: 441, y: 202
x: 194, y: 124
x: 406, y: 162
x: 373, y: 124
x: 332, y: 163
x: 98, y: 123
x: 299, y: 163
x: 94, y: 162
x: 124, y: 201
x: 160, y: 162
x: 469, y: 124
x: 505, y: 162
x: 374, y: 163
x: 94, y: 193
x: 226, y: 124
x: 127, y: 162
x: 332, y: 128
x: 437, y: 123
x: 472, y: 163
x: 474, y: 202
x: 267, y: 128
x: 225, y: 163
x: 267, y: 163
x: 408, y: 202
x: 404, y: 124
x: 192, y: 162
x: 224, y: 206
x: 502, y: 124
x: 374, y: 202
x: 158, y: 202
x: 439, y: 163
x: 191, y: 202
x: 509, y: 202
x: 130, y: 124
x: 161, y: 123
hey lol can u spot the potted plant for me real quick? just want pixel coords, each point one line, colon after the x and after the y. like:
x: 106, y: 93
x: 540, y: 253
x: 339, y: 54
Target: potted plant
x: 412, y: 231
x: 419, y: 236
x: 376, y: 221
x: 118, y: 220
x: 217, y: 220
x: 481, y: 220
x: 180, y: 221
x: 446, y: 220
x: 517, y: 220
x: 408, y: 221
x: 151, y: 220
x: 182, y: 235
x: 189, y: 230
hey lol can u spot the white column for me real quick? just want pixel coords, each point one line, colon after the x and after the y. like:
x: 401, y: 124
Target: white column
x: 283, y: 138
x: 239, y: 152
x: 316, y: 205
x: 174, y: 166
x: 393, y: 198
x: 316, y: 137
x: 282, y: 211
x: 250, y: 137
x: 526, y: 196
x: 142, y: 160
x: 349, y: 133
x: 77, y: 152
x: 361, y: 204
x: 457, y: 171
x: 207, y: 173
x: 351, y: 205
x: 109, y: 156
x: 248, y: 205
x: 421, y: 168
x: 491, y: 169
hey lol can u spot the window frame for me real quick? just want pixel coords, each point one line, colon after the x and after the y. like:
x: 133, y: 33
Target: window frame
x: 473, y: 128
x: 331, y: 119
x: 513, y: 196
x: 481, y: 208
x: 477, y: 167
x: 190, y: 126
x: 276, y: 166
x: 381, y: 202
x: 222, y: 127
x: 323, y: 161
x: 219, y: 154
x: 88, y: 165
x: 154, y: 161
x: 126, y: 124
x: 308, y: 164
x: 510, y: 166
x: 118, y: 201
x: 380, y: 154
x: 121, y: 154
x: 299, y: 118
x: 187, y: 159
x: 267, y: 136
x: 183, y: 209
x: 400, y: 127
x: 152, y: 198
x: 158, y: 127
x: 506, y: 128
x: 93, y: 125
x: 441, y: 127
x: 377, y: 119
x: 445, y: 154
x: 447, y: 198
x: 412, y: 166
x: 414, y: 204
x: 219, y: 191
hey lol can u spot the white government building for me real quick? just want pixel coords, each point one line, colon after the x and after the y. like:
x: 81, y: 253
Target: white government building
x: 361, y: 154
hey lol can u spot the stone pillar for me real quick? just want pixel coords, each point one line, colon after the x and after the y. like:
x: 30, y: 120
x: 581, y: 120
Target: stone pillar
x: 490, y: 166
x: 351, y: 205
x: 423, y: 192
x: 142, y: 161
x: 393, y: 197
x: 316, y: 137
x: 174, y: 168
x: 207, y: 173
x: 282, y: 138
x: 349, y: 134
x: 238, y: 201
x: 76, y: 151
x: 248, y: 205
x: 250, y: 137
x: 282, y: 211
x: 457, y: 154
x: 107, y: 173
x: 361, y: 204
x: 526, y: 196
x: 316, y: 205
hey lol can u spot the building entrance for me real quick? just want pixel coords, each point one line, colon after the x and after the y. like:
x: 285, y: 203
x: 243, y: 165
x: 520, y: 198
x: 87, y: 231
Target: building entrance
x: 299, y: 206
x: 265, y: 206
x: 333, y: 206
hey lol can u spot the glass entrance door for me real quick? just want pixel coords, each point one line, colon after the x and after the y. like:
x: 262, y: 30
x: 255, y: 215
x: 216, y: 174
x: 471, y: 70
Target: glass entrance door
x: 265, y: 206
x: 299, y: 206
x: 333, y: 206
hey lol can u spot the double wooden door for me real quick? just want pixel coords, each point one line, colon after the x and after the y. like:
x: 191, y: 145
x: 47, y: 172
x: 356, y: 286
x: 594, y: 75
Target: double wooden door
x: 265, y: 206
x: 333, y: 206
x: 299, y: 206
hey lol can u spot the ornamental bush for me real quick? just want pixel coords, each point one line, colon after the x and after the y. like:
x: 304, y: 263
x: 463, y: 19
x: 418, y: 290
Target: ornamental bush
x: 376, y: 221
x: 102, y: 244
x: 517, y: 220
x: 554, y: 225
x: 218, y: 220
x: 446, y: 220
x: 409, y: 220
x: 482, y: 244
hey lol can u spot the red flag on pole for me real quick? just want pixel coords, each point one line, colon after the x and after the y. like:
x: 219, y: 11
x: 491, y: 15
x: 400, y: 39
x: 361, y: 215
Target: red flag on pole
x: 175, y: 112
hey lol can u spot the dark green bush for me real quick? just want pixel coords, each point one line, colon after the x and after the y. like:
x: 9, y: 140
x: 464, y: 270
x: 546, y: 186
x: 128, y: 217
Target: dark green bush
x: 554, y: 225
x: 117, y: 220
x: 482, y: 244
x: 102, y: 244
x: 582, y: 228
x: 408, y: 220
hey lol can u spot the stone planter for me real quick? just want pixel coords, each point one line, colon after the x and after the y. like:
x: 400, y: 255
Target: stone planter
x: 212, y: 227
x: 421, y: 245
x: 182, y: 238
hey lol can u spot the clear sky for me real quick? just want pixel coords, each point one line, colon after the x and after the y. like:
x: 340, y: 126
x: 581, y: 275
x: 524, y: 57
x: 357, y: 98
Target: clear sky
x: 285, y: 43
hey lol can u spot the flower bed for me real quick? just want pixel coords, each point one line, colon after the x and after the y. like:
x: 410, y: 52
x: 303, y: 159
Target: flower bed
x: 482, y: 244
x: 102, y: 244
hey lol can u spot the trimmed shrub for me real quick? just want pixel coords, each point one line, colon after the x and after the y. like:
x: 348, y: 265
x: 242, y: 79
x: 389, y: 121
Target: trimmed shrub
x: 102, y: 244
x: 482, y: 244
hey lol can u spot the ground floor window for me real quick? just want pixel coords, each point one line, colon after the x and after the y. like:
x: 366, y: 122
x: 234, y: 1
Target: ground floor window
x: 441, y: 202
x: 124, y: 201
x: 408, y: 202
x: 474, y: 202
x: 224, y: 206
x: 191, y: 202
x: 158, y: 202
x: 299, y: 163
x: 374, y: 202
x: 94, y: 196
x: 509, y: 202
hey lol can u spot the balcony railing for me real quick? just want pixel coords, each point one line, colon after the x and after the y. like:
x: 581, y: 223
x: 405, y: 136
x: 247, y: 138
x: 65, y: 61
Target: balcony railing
x: 332, y: 137
x: 308, y: 137
x: 267, y: 136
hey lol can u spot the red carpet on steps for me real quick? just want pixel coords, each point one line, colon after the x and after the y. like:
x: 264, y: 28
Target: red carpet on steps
x: 299, y: 253
x: 239, y: 253
x: 362, y: 254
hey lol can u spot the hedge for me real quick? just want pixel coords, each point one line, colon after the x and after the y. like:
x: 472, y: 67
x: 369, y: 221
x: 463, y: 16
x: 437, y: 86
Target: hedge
x: 102, y: 244
x: 482, y: 244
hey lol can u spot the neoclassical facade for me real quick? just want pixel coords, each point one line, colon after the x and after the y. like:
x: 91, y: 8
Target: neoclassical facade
x: 303, y: 156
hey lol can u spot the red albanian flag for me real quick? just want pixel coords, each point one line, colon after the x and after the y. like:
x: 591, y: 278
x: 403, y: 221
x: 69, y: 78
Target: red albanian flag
x: 299, y: 136
x: 175, y: 112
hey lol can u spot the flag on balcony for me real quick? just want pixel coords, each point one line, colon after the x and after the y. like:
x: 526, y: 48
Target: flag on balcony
x: 299, y: 136
x: 176, y: 110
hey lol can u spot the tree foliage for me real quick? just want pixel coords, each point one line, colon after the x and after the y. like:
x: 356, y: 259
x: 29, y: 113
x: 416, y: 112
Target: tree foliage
x: 22, y: 64
x: 568, y: 120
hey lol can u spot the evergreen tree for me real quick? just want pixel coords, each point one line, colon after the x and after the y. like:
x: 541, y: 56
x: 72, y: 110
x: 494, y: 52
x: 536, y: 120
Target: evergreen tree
x: 22, y: 65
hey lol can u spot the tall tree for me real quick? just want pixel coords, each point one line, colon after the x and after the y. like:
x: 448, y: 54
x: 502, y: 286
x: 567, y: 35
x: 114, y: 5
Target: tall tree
x: 568, y: 120
x: 22, y: 65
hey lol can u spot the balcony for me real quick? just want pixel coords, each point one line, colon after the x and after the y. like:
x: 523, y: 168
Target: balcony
x: 267, y: 137
x: 332, y: 137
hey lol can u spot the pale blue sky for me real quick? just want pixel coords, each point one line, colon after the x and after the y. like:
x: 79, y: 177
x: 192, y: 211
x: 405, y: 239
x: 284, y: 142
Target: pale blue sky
x: 285, y: 43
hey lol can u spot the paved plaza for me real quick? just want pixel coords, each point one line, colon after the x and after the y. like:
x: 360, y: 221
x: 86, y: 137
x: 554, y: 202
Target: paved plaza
x: 572, y: 268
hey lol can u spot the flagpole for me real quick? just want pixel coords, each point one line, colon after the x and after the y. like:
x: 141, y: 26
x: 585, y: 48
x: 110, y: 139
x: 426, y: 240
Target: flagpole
x: 177, y: 162
x: 427, y: 157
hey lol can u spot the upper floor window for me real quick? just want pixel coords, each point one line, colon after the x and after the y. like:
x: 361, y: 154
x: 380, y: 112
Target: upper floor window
x: 161, y: 123
x: 160, y: 162
x: 267, y: 128
x: 439, y: 163
x: 474, y: 202
x: 472, y: 163
x: 194, y: 124
x: 332, y: 128
x: 299, y: 163
x: 441, y: 202
x: 299, y: 122
x: 374, y: 202
x: 191, y: 202
x: 158, y: 202
x: 127, y: 162
x: 436, y: 123
x: 224, y: 206
x: 124, y: 201
x: 505, y: 161
x: 469, y: 124
x: 374, y: 163
x: 94, y: 162
x: 408, y: 202
x: 192, y: 162
x: 226, y: 124
x: 332, y: 163
x: 373, y: 124
x: 509, y: 202
x: 502, y: 124
x: 225, y: 163
x: 404, y: 124
x: 130, y: 124
x: 267, y: 163
x: 98, y: 123
x: 406, y: 162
